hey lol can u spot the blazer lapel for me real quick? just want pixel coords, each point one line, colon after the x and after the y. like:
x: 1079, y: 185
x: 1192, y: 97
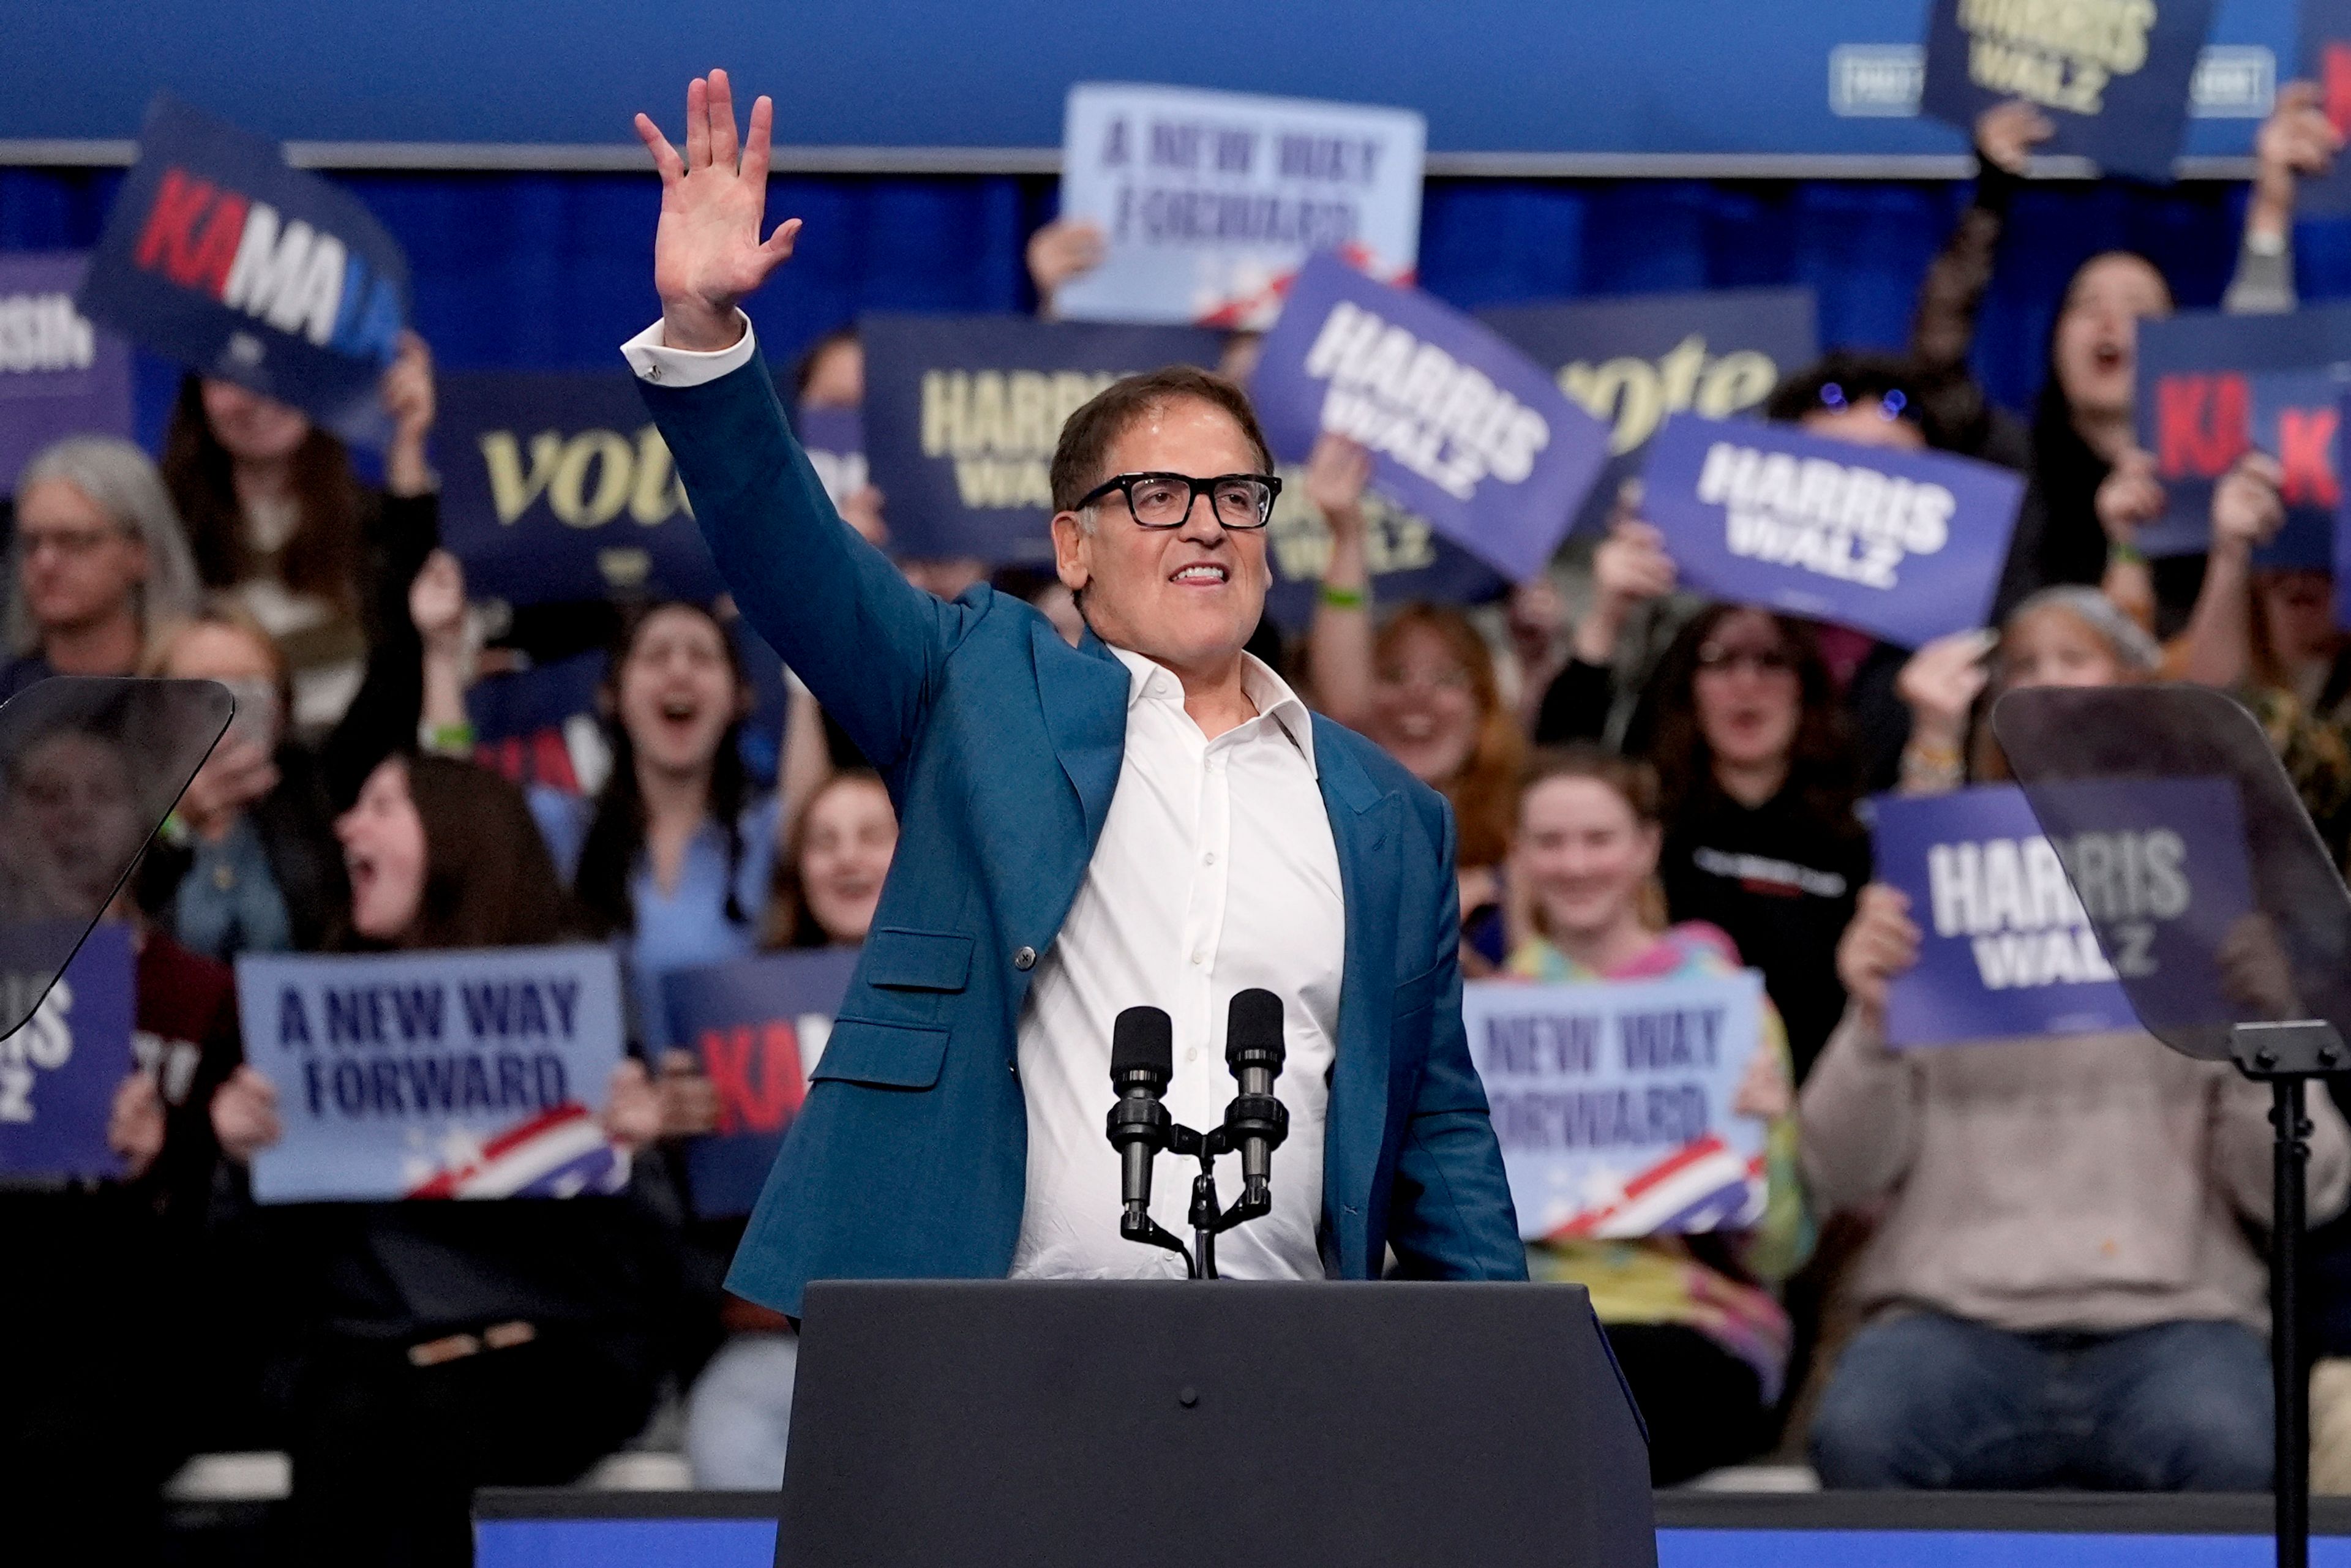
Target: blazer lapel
x: 1366, y: 826
x: 1084, y: 692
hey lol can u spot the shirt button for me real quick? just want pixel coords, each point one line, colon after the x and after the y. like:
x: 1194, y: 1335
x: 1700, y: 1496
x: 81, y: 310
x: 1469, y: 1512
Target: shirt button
x: 1024, y: 959
x: 1208, y: 859
x: 1193, y: 1054
x: 1199, y: 957
x: 1013, y: 1067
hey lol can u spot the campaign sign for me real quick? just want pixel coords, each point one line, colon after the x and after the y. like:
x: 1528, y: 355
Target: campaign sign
x: 59, y: 1072
x: 1905, y: 546
x: 2013, y: 947
x: 556, y: 485
x: 2325, y: 55
x: 1613, y: 1102
x: 758, y: 1025
x: 1210, y: 201
x: 218, y: 255
x: 2212, y: 387
x: 834, y: 439
x: 59, y: 375
x: 1408, y: 558
x: 1630, y: 363
x: 962, y: 414
x: 2113, y: 74
x: 1464, y: 429
x: 443, y: 1075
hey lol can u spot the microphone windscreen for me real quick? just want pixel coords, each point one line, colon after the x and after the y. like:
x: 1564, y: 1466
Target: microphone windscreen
x: 1253, y: 1024
x: 1143, y: 1040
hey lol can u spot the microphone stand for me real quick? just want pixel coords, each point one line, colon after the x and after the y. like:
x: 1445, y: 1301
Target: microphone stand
x: 1206, y: 1222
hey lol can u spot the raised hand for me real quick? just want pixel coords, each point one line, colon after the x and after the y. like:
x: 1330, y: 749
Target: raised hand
x: 1063, y: 250
x: 1881, y: 942
x: 2247, y: 509
x: 436, y: 602
x: 245, y: 1115
x: 2006, y: 133
x: 1941, y: 682
x: 1630, y: 568
x: 707, y: 254
x: 2129, y: 497
x: 1336, y: 475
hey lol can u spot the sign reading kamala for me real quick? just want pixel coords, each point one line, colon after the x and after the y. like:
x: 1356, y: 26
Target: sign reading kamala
x: 1613, y: 1102
x: 1464, y: 430
x: 1902, y: 545
x: 59, y: 375
x: 962, y: 414
x: 1630, y: 363
x: 443, y: 1075
x: 758, y: 1025
x: 2014, y: 948
x: 2211, y: 388
x: 556, y: 485
x: 1210, y: 201
x: 2325, y: 54
x: 2113, y: 74
x: 218, y: 255
x: 59, y: 1072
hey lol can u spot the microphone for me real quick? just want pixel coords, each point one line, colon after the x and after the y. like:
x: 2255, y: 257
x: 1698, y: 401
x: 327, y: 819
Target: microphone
x: 1142, y: 1060
x: 1255, y: 1122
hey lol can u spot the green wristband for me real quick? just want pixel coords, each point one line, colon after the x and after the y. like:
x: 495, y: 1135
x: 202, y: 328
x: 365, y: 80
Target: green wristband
x: 2123, y: 552
x: 1345, y: 598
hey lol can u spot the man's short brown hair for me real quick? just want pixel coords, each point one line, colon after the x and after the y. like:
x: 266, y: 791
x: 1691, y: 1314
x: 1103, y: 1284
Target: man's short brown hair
x: 1088, y: 435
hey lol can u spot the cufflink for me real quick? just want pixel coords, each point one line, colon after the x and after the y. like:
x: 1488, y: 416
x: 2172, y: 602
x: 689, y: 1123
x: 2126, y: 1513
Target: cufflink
x: 652, y: 372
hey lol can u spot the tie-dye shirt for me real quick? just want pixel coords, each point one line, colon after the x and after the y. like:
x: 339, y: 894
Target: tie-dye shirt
x: 1720, y: 1283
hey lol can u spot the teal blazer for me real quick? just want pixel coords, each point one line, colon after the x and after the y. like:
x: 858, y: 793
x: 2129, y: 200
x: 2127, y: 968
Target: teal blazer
x: 1001, y: 745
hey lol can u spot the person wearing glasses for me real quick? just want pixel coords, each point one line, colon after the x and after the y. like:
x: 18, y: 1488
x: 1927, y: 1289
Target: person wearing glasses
x: 99, y: 563
x: 1150, y: 817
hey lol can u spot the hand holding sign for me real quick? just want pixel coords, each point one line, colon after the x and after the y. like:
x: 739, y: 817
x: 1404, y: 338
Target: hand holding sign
x: 2006, y: 134
x: 2247, y: 507
x: 1881, y: 942
x: 707, y: 254
x: 1629, y: 568
x: 1940, y: 684
x: 2296, y: 139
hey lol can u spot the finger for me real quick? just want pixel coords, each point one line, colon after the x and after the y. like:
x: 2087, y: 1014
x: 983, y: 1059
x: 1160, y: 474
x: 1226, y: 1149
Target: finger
x: 2299, y: 95
x: 697, y: 125
x: 667, y: 163
x: 724, y: 148
x: 2263, y: 469
x: 756, y: 145
x: 778, y: 247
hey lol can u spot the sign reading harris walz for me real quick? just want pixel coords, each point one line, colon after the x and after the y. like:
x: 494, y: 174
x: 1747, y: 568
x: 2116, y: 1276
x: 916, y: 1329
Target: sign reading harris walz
x: 1210, y: 201
x: 2113, y: 74
x: 218, y: 255
x: 962, y: 414
x: 60, y: 376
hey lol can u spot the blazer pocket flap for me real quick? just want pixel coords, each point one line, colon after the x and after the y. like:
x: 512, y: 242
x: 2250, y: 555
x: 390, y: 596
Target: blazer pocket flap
x: 893, y: 1056
x: 917, y: 960
x: 1416, y: 993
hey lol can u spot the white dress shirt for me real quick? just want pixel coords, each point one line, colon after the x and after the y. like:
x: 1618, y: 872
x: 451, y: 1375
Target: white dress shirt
x: 1160, y: 920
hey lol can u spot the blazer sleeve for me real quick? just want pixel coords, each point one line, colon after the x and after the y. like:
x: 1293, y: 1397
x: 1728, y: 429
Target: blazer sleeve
x: 1449, y: 1214
x: 870, y: 644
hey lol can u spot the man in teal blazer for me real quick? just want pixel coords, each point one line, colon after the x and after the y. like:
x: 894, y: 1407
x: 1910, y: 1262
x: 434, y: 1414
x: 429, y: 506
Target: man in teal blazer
x: 934, y: 1126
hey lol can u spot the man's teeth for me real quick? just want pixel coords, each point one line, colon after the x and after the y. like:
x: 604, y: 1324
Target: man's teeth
x: 1201, y: 574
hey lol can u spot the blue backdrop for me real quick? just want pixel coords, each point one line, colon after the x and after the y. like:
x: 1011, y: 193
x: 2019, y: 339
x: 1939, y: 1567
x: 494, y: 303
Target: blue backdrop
x: 554, y: 270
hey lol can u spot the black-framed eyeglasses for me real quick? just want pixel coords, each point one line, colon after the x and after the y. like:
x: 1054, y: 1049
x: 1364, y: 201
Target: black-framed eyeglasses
x: 1164, y: 500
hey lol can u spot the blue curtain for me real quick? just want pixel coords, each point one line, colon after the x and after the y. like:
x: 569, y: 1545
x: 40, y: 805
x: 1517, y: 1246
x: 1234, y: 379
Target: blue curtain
x: 552, y: 270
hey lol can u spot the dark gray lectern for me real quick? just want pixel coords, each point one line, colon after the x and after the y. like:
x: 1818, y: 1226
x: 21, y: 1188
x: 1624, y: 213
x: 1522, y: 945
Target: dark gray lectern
x: 1084, y: 1424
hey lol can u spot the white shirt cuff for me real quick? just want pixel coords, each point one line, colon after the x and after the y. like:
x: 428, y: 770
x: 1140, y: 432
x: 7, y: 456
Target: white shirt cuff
x: 657, y: 361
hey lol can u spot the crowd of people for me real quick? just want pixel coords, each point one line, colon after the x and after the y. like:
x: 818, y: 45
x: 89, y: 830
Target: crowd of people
x: 2027, y: 1263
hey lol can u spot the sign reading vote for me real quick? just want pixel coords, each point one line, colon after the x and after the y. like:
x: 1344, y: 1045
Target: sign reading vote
x: 555, y: 485
x: 2014, y: 947
x: 1210, y: 201
x: 2211, y: 388
x: 443, y: 1075
x: 758, y: 1026
x: 1630, y: 363
x: 1463, y: 428
x: 1613, y: 1102
x: 59, y: 375
x: 2112, y: 74
x: 218, y: 255
x: 59, y: 1072
x: 962, y: 414
x: 1905, y: 546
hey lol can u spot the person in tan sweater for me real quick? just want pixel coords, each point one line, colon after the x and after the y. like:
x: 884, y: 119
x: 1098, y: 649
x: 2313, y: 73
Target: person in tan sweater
x: 2065, y: 1286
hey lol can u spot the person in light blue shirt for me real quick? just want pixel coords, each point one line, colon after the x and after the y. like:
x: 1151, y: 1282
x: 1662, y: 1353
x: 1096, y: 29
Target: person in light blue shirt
x: 672, y: 854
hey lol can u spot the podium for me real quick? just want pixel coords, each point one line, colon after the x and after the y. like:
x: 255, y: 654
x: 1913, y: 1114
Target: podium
x: 1116, y: 1424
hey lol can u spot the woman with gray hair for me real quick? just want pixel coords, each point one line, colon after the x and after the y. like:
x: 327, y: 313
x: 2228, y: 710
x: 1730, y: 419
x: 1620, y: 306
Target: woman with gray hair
x: 98, y: 561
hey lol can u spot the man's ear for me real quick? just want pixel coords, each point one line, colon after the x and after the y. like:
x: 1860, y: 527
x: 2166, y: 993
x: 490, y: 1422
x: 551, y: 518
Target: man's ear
x: 1072, y: 554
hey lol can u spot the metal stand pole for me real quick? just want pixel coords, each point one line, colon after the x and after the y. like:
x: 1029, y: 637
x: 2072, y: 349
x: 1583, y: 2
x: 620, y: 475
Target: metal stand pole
x: 2290, y: 1164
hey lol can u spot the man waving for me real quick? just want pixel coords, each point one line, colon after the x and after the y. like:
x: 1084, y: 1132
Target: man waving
x: 1149, y: 817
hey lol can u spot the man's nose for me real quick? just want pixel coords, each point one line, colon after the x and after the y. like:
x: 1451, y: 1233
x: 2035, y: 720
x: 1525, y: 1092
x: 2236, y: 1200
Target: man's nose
x: 1201, y: 524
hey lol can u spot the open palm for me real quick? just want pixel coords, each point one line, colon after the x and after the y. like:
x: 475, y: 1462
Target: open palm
x: 707, y: 254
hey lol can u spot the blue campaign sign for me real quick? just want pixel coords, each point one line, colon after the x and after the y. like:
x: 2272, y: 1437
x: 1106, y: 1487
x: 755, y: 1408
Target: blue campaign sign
x: 758, y: 1025
x: 1629, y: 363
x: 962, y: 414
x: 59, y: 1072
x: 1210, y: 201
x: 834, y: 439
x: 218, y: 255
x: 1464, y: 430
x: 2112, y: 74
x: 2212, y: 387
x: 556, y: 485
x: 59, y: 375
x: 443, y: 1074
x: 1905, y: 546
x: 1409, y: 560
x: 2324, y: 52
x: 1613, y: 1102
x: 2014, y: 947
